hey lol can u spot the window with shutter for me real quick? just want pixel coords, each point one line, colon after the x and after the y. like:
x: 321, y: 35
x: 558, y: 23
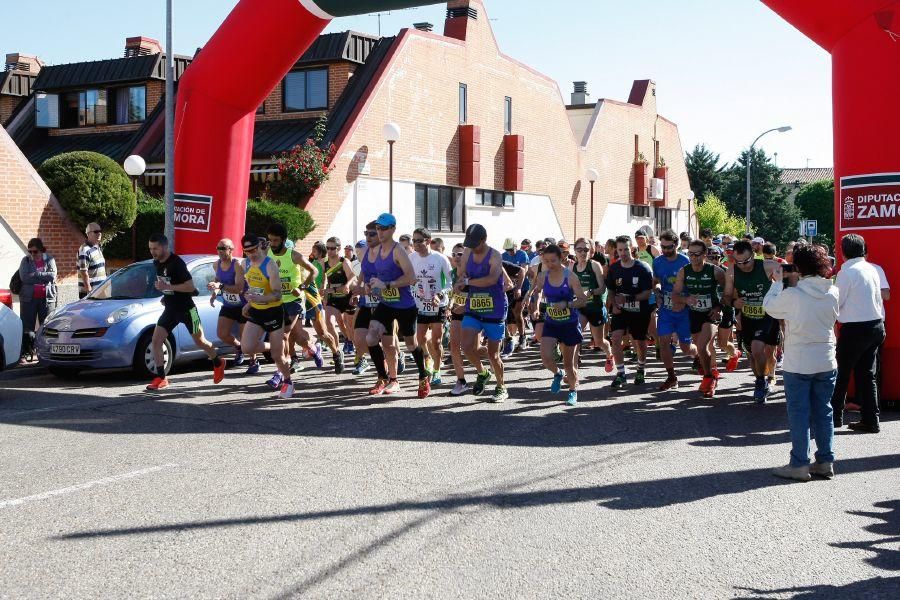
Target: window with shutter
x: 306, y: 90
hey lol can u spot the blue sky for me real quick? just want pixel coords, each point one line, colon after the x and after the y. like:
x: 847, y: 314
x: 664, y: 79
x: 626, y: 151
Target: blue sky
x: 726, y: 70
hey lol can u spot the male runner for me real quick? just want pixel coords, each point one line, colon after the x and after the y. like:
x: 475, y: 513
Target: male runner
x: 174, y: 281
x: 229, y: 284
x: 481, y: 276
x: 673, y: 319
x: 630, y: 284
x: 516, y: 265
x: 746, y: 284
x: 433, y: 286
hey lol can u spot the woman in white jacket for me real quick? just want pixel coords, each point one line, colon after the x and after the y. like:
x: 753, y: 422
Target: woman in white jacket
x: 809, y: 308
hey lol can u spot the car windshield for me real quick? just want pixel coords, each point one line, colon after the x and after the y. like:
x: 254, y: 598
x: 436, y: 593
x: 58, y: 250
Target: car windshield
x: 134, y: 282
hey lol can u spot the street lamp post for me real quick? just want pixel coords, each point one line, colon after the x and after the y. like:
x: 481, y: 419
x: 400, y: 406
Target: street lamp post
x: 690, y: 201
x: 170, y: 130
x: 750, y: 158
x: 391, y: 132
x: 135, y: 166
x: 592, y: 176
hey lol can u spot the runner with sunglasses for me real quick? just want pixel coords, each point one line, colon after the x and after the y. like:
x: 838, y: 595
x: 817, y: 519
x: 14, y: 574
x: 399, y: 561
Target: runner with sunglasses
x: 673, y: 319
x: 367, y: 303
x: 458, y: 302
x: 339, y: 276
x: 229, y: 285
x: 432, y: 294
x: 590, y: 275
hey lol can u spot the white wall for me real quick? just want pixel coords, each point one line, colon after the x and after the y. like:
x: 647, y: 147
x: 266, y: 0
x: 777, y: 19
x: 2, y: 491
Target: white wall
x: 618, y: 221
x: 532, y: 217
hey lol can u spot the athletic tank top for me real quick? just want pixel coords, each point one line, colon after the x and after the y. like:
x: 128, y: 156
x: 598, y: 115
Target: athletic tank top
x: 559, y: 293
x: 703, y: 287
x: 752, y: 288
x: 290, y: 273
x: 486, y: 303
x: 258, y: 283
x: 336, y: 276
x: 387, y: 270
x: 227, y: 278
x: 647, y: 258
x: 368, y: 271
x: 589, y: 283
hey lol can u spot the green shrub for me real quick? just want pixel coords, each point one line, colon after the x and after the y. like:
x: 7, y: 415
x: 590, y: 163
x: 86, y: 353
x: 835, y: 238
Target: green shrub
x: 151, y: 216
x: 91, y: 188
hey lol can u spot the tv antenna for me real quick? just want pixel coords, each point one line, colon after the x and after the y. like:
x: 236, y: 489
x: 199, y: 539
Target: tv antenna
x: 387, y: 12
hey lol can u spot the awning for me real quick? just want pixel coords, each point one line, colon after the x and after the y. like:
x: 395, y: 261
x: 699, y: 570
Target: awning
x: 155, y: 176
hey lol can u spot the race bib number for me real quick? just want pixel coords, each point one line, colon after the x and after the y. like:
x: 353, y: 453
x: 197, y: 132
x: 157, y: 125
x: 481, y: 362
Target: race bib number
x: 162, y: 279
x: 667, y: 301
x: 753, y: 311
x: 459, y: 300
x: 481, y: 303
x: 390, y: 294
x: 704, y: 303
x: 256, y: 291
x: 286, y: 286
x: 633, y: 306
x: 428, y: 307
x: 231, y: 298
x: 559, y: 314
x: 373, y: 300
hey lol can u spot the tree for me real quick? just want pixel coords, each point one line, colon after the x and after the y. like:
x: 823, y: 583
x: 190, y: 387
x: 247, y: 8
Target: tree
x: 303, y: 168
x: 91, y: 188
x: 816, y: 201
x: 772, y: 215
x: 713, y: 213
x: 704, y: 172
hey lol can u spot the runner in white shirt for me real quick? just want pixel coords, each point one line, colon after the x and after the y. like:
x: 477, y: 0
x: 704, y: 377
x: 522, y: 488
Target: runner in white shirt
x: 431, y: 292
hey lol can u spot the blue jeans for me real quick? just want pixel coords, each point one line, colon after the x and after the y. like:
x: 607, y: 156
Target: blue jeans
x: 809, y: 407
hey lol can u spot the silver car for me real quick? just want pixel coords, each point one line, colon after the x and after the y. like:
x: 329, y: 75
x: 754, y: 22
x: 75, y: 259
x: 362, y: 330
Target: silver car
x: 112, y: 327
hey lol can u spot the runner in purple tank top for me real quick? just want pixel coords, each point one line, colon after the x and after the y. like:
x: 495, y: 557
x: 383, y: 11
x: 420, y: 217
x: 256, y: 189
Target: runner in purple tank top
x: 229, y: 286
x: 393, y: 277
x: 481, y: 276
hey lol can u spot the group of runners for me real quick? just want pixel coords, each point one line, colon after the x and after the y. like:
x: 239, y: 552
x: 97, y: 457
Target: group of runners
x: 480, y: 305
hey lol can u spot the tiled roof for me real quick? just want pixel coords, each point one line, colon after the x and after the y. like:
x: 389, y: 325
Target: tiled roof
x: 104, y: 72
x: 345, y: 45
x: 802, y: 177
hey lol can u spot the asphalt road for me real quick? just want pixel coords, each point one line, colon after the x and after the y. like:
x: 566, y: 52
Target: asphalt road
x: 222, y: 491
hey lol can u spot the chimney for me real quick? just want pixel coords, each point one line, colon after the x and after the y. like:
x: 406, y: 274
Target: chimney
x: 141, y: 46
x: 580, y: 95
x: 23, y: 63
x: 459, y: 15
x: 424, y: 26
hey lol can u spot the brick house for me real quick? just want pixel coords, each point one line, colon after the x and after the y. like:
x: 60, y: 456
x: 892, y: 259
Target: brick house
x: 16, y: 82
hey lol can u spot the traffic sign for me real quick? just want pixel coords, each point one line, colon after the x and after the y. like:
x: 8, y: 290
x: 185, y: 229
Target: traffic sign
x: 812, y: 228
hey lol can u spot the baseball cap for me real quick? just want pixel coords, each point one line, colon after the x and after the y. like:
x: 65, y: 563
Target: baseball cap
x: 717, y: 241
x: 757, y: 240
x: 475, y: 234
x: 361, y: 244
x: 509, y: 244
x: 386, y: 220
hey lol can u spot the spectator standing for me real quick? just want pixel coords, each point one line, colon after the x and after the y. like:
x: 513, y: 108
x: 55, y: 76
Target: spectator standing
x: 90, y: 262
x: 809, y: 308
x: 38, y: 294
x: 862, y: 333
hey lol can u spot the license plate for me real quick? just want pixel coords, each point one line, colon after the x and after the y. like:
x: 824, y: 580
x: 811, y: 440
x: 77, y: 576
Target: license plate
x: 65, y: 349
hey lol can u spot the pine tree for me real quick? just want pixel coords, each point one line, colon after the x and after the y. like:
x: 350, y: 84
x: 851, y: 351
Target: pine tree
x: 704, y: 172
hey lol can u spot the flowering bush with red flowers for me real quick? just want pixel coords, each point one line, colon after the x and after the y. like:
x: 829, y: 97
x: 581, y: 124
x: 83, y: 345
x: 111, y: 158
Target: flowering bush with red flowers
x: 303, y: 168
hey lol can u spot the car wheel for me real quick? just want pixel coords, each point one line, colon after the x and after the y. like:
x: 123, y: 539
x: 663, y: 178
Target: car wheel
x: 64, y: 372
x: 144, y: 366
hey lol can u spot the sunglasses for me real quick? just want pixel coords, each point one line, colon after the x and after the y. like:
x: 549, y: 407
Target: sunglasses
x: 744, y: 262
x: 418, y: 240
x: 667, y: 246
x: 383, y: 228
x: 371, y: 233
x: 329, y: 248
x: 581, y: 249
x: 457, y: 254
x: 223, y: 248
x: 251, y: 248
x: 701, y: 253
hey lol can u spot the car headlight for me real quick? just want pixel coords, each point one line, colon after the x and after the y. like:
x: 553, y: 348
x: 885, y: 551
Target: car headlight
x: 123, y: 313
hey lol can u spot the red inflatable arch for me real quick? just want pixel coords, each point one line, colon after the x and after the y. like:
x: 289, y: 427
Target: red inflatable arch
x: 863, y: 37
x: 218, y: 97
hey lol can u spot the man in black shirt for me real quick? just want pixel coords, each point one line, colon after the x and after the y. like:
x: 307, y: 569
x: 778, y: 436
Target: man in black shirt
x: 174, y: 281
x: 630, y: 283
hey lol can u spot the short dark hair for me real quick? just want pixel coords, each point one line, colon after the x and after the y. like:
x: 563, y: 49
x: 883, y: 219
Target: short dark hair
x: 334, y: 240
x: 669, y: 236
x: 812, y: 260
x: 158, y: 238
x: 552, y: 249
x: 748, y: 236
x: 405, y: 237
x: 36, y: 243
x: 624, y: 239
x: 685, y: 236
x: 742, y: 246
x: 249, y: 239
x: 278, y: 230
x: 699, y: 244
x: 768, y: 248
x: 706, y: 232
x: 853, y: 245
x: 320, y: 248
x: 423, y: 232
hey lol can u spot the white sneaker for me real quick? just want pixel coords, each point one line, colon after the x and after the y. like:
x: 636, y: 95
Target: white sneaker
x: 460, y: 388
x: 796, y: 473
x: 287, y: 391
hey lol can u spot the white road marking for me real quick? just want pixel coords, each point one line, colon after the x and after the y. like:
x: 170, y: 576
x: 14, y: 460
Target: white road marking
x: 84, y: 486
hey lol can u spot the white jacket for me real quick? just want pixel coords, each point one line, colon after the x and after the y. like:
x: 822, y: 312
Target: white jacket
x: 809, y: 312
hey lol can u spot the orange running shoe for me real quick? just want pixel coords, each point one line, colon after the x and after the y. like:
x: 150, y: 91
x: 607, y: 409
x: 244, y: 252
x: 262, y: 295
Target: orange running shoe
x: 158, y: 383
x: 609, y: 364
x: 711, y: 390
x: 379, y: 388
x: 219, y: 371
x: 424, y: 387
x: 705, y: 384
x: 733, y: 361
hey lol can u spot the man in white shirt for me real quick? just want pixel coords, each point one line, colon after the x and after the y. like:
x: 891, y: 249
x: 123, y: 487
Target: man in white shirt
x: 862, y: 333
x: 431, y: 292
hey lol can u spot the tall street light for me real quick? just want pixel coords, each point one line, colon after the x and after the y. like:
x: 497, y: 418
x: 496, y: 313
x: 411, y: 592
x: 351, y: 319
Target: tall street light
x: 135, y: 166
x: 170, y: 130
x: 391, y: 132
x: 750, y: 158
x: 592, y: 176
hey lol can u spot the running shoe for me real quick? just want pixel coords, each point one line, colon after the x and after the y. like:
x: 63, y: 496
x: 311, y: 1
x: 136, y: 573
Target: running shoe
x: 779, y: 360
x: 500, y: 394
x: 424, y: 387
x: 295, y: 364
x: 275, y: 382
x: 572, y: 400
x: 733, y: 361
x: 253, y: 368
x: 711, y: 389
x: 521, y: 345
x: 610, y: 364
x: 218, y: 370
x: 339, y: 362
x: 393, y: 387
x: 436, y: 377
x: 158, y: 383
x: 507, y: 348
x: 238, y: 358
x: 401, y: 363
x: 670, y: 382
x: 759, y: 390
x: 348, y: 347
x: 619, y: 381
x: 704, y: 385
x: 639, y: 377
x: 362, y: 366
x: 480, y: 382
x: 317, y: 356
x: 287, y: 390
x: 461, y: 388
x: 557, y: 382
x: 378, y: 389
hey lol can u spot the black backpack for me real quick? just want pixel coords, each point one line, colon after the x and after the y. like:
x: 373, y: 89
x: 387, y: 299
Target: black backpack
x: 15, y: 283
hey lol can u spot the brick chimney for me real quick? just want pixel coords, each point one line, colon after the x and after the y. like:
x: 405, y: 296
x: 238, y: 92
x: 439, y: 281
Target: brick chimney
x: 23, y: 63
x: 141, y: 46
x: 460, y: 14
